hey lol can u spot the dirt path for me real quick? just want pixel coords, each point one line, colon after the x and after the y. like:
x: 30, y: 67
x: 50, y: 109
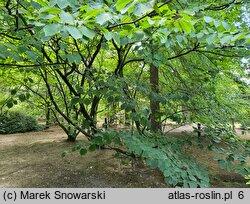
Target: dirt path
x: 34, y: 160
x: 30, y: 160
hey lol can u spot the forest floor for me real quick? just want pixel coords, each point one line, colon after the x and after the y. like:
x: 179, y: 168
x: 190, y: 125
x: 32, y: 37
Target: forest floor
x: 32, y: 160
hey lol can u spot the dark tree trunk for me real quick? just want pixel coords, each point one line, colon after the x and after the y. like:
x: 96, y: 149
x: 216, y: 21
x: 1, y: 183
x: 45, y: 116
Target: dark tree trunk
x: 48, y: 121
x: 199, y: 129
x: 71, y: 139
x: 154, y: 104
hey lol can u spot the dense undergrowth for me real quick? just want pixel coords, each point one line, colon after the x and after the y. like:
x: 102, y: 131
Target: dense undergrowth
x: 15, y: 122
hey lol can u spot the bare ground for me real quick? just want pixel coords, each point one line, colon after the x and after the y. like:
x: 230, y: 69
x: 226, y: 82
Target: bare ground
x: 34, y: 160
x: 30, y: 160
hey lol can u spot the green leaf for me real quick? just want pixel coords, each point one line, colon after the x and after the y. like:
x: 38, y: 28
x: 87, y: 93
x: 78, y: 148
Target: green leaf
x: 103, y: 18
x: 22, y: 49
x: 13, y: 91
x: 83, y: 151
x: 153, y: 163
x: 208, y: 19
x: 22, y: 97
x: 75, y: 100
x: 108, y: 36
x: 87, y: 101
x: 66, y: 17
x: 92, y: 13
x: 167, y: 173
x: 139, y: 35
x: 192, y: 184
x: 32, y: 55
x: 141, y: 9
x: 10, y: 103
x: 76, y: 148
x: 87, y: 32
x: 226, y: 25
x: 50, y: 10
x: 186, y: 26
x: 63, y: 3
x: 74, y: 32
x: 247, y: 41
x: 120, y: 4
x: 225, y: 39
x: 64, y: 153
x: 92, y: 148
x: 74, y: 58
x: 51, y: 29
x: 4, y: 52
x: 211, y: 38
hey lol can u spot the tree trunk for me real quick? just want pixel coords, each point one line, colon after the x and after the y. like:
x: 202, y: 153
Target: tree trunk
x: 47, y: 110
x: 154, y: 104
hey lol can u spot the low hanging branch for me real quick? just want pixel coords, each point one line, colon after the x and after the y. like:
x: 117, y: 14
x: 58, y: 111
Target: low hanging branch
x: 30, y: 65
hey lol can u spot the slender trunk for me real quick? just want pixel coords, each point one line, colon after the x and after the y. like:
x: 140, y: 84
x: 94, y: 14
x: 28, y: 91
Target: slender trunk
x: 199, y: 129
x: 154, y: 104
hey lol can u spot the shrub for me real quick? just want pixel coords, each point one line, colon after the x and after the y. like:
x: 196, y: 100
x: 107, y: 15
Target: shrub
x: 14, y: 122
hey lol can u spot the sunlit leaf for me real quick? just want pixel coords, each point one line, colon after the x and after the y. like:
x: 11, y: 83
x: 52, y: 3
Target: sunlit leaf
x: 120, y: 4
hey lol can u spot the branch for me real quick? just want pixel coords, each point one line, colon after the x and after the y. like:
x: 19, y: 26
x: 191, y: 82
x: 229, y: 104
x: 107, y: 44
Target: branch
x: 9, y: 36
x: 118, y: 150
x: 185, y: 53
x: 79, y: 52
x: 224, y: 6
x: 182, y: 111
x: 30, y: 65
x: 152, y: 13
x: 220, y: 54
x: 59, y: 110
x: 96, y: 52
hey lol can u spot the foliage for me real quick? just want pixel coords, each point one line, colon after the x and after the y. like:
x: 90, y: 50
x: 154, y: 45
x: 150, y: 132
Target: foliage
x: 234, y: 153
x: 73, y: 48
x: 157, y: 151
x: 89, y: 60
x: 248, y: 178
x: 14, y: 122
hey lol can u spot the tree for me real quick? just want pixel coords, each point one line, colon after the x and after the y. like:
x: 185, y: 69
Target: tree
x: 158, y: 58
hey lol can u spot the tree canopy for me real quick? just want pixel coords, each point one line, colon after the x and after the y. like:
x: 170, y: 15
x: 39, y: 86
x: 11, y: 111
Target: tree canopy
x: 146, y: 62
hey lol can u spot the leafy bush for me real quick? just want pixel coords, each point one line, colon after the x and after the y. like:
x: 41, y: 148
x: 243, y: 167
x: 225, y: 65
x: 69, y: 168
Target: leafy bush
x: 13, y: 122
